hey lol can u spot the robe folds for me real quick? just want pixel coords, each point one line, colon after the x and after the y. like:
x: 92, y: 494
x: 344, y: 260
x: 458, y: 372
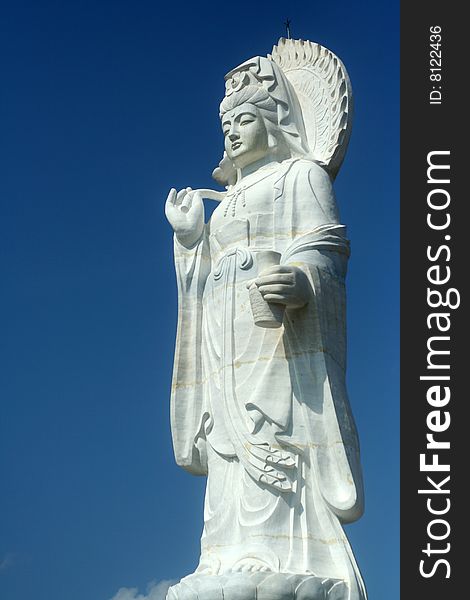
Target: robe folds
x: 264, y: 412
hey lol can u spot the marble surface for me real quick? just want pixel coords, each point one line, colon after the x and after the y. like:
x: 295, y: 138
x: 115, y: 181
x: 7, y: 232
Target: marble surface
x: 259, y: 403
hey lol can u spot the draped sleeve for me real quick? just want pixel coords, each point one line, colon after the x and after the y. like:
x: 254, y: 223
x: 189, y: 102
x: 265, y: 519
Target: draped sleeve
x: 308, y: 235
x: 187, y: 395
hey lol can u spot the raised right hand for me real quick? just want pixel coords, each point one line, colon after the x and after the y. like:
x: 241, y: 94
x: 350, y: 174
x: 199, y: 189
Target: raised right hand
x: 185, y: 212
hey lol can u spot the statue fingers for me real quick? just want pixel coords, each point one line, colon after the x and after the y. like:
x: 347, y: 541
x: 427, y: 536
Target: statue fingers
x: 282, y: 484
x: 286, y: 268
x: 257, y: 456
x: 171, y: 212
x: 273, y: 278
x: 281, y: 460
x: 278, y: 269
x: 258, y: 461
x: 187, y: 200
x: 270, y: 270
x: 275, y: 474
x: 181, y: 196
x: 266, y: 473
x: 195, y: 201
x: 275, y: 298
x: 269, y: 478
x: 263, y: 453
x: 280, y: 289
x: 171, y: 199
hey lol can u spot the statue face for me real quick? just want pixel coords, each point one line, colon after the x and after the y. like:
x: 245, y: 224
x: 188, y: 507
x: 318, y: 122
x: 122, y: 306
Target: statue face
x: 246, y: 138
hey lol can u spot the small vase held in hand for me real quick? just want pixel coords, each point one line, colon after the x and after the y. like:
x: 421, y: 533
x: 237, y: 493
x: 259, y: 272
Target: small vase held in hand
x: 265, y: 314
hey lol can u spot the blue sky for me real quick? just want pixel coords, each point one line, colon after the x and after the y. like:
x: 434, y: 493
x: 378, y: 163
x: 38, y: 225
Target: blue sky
x: 105, y: 106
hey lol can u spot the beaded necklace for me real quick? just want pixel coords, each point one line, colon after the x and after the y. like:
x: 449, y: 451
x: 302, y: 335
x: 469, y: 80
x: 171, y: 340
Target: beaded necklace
x: 238, y: 193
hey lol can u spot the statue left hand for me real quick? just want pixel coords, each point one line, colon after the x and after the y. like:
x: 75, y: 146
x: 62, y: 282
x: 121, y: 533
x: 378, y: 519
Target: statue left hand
x: 284, y: 284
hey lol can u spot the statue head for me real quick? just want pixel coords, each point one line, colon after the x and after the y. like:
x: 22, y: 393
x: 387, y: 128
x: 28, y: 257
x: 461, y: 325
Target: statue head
x: 261, y: 118
x: 249, y: 131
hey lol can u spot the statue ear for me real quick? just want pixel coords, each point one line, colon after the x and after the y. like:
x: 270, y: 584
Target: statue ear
x: 225, y: 173
x: 272, y: 142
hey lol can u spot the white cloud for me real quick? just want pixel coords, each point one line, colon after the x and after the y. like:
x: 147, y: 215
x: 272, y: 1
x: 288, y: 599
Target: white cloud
x: 156, y: 590
x: 7, y: 561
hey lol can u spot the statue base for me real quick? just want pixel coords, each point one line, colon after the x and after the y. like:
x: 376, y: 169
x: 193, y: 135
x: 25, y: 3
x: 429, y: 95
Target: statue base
x: 258, y: 586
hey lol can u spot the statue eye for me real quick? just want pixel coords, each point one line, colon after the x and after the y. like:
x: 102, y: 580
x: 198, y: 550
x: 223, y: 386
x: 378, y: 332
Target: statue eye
x: 246, y: 121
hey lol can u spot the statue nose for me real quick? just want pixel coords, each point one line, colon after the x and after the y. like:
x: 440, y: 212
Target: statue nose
x: 232, y: 136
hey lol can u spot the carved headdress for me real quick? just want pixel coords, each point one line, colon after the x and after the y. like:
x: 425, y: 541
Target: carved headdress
x: 312, y: 94
x: 260, y: 72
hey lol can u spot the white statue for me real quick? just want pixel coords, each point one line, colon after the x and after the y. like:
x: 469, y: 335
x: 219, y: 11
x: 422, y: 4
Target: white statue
x: 259, y: 402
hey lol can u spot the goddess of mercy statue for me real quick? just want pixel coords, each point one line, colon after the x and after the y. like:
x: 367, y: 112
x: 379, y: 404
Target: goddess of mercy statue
x: 259, y: 402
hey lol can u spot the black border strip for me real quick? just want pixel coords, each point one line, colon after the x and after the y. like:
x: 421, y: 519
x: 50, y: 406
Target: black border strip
x: 433, y: 263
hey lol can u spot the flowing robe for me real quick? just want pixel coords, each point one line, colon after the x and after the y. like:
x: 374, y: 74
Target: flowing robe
x: 262, y: 412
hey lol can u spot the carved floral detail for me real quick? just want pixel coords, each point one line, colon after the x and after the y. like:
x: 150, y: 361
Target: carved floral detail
x: 238, y: 80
